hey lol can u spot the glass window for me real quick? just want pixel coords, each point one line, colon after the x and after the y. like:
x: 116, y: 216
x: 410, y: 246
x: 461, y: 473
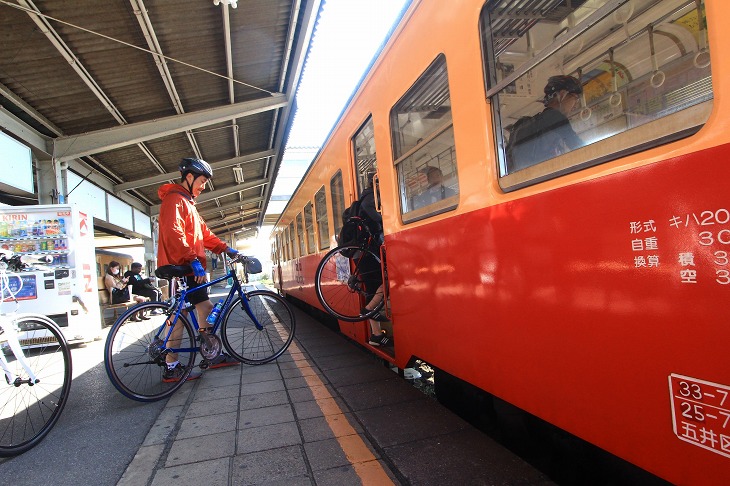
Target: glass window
x: 366, y: 162
x: 578, y: 83
x: 320, y: 207
x: 292, y: 246
x: 337, y: 191
x: 423, y: 146
x: 300, y: 235
x: 286, y: 244
x: 309, y: 227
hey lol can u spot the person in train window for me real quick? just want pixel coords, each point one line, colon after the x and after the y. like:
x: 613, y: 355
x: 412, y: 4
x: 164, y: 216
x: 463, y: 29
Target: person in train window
x: 183, y: 239
x: 370, y: 267
x: 142, y: 286
x: 547, y: 134
x: 118, y: 288
x: 435, y: 190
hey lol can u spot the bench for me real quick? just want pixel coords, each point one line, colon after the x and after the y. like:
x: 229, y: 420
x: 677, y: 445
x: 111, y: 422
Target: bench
x: 104, y: 304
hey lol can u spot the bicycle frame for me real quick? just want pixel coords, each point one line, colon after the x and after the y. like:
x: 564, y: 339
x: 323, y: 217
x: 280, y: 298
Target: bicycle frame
x: 180, y: 304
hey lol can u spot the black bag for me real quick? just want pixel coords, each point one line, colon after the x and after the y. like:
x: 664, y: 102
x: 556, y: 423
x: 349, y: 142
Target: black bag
x: 253, y: 265
x: 355, y: 229
x: 522, y: 133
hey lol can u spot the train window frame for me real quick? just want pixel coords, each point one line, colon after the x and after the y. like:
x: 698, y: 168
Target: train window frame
x: 337, y: 195
x: 588, y: 47
x: 292, y: 238
x: 426, y: 156
x: 300, y: 235
x: 320, y: 210
x: 364, y: 141
x: 309, y: 227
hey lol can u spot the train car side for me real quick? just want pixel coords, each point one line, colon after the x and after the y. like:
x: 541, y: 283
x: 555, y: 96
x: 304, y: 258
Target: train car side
x: 592, y: 295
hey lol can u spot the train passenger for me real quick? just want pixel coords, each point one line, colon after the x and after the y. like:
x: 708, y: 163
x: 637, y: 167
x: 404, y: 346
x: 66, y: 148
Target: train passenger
x: 142, y: 286
x: 183, y: 239
x: 370, y: 267
x: 547, y: 134
x: 118, y: 288
x: 435, y: 190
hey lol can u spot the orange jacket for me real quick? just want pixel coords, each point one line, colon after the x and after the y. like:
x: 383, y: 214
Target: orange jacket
x: 183, y: 235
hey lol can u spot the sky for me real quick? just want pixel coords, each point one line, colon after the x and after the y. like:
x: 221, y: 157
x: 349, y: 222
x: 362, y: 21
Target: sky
x: 347, y: 36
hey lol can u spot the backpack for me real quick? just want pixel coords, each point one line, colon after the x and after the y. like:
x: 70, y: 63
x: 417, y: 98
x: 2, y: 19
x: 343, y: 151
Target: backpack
x: 355, y: 228
x: 516, y: 150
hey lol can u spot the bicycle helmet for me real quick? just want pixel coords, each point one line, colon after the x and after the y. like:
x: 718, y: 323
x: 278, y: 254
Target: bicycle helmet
x: 197, y: 167
x: 558, y: 83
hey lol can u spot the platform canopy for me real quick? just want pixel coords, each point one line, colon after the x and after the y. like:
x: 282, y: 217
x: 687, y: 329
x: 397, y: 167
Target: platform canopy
x: 127, y: 88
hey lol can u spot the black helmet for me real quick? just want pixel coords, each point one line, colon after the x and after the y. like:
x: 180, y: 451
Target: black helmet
x: 196, y: 167
x: 557, y: 83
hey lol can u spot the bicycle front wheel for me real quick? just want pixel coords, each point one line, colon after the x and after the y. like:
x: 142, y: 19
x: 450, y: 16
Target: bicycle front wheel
x: 36, y: 364
x: 134, y: 354
x: 245, y: 341
x: 342, y: 281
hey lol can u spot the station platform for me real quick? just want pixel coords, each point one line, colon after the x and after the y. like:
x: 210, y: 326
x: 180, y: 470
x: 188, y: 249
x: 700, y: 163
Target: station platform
x: 327, y: 412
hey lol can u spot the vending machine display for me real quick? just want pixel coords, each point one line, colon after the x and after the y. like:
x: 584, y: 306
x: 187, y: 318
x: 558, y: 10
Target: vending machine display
x: 65, y: 289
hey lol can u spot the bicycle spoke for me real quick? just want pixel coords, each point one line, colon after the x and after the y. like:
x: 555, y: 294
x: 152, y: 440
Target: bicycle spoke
x: 134, y: 357
x: 28, y: 412
x: 252, y: 345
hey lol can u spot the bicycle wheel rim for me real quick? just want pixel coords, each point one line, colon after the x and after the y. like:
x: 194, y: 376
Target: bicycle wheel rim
x: 341, y: 286
x: 135, y: 364
x: 28, y: 413
x: 250, y: 345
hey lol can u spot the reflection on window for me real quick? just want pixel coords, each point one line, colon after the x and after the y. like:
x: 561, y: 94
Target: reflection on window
x: 337, y: 191
x: 320, y: 208
x: 300, y: 235
x: 366, y: 161
x: 292, y: 247
x: 423, y: 145
x: 309, y: 227
x: 644, y: 69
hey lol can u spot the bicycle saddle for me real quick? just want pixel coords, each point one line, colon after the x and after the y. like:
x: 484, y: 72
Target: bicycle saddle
x: 169, y: 271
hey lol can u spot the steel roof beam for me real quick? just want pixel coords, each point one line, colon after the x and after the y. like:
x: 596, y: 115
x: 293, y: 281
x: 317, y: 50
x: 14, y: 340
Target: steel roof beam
x: 226, y: 191
x: 74, y: 146
x: 150, y: 181
x: 226, y: 207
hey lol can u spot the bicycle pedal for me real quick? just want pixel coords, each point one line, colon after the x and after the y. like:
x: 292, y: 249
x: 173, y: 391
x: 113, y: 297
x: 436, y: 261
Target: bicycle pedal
x: 204, y: 364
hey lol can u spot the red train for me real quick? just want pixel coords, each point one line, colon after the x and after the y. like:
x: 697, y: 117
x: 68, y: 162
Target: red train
x: 590, y: 289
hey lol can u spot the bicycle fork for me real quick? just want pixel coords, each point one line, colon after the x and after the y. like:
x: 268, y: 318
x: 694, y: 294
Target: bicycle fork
x: 12, y: 338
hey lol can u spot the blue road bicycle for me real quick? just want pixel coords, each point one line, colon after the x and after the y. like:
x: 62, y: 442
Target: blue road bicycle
x: 256, y: 327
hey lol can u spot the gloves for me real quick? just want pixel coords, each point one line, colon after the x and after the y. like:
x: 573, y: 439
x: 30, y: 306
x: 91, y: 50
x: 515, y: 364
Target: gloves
x: 231, y: 252
x: 198, y: 269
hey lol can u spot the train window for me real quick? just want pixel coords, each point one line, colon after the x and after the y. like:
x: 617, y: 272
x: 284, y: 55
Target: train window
x: 285, y: 244
x: 300, y: 235
x: 309, y: 227
x: 320, y: 208
x: 292, y: 247
x: 366, y: 161
x: 643, y: 77
x: 423, y: 146
x: 337, y: 191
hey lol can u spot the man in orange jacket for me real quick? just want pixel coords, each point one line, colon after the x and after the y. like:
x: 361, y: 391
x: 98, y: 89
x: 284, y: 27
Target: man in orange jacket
x: 183, y: 239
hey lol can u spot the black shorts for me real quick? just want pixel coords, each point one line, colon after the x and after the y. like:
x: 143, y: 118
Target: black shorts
x: 199, y: 295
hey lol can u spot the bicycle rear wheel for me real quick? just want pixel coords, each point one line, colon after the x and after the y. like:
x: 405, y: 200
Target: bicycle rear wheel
x: 341, y: 282
x: 28, y: 411
x: 244, y: 341
x: 134, y: 355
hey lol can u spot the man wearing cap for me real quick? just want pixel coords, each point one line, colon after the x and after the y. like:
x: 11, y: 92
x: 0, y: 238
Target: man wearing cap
x: 547, y: 134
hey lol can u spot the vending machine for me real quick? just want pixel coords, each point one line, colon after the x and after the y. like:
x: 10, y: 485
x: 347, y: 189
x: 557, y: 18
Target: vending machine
x: 65, y: 289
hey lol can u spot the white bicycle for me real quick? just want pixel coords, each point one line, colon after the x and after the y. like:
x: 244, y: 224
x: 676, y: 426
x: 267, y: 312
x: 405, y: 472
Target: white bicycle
x: 35, y: 361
